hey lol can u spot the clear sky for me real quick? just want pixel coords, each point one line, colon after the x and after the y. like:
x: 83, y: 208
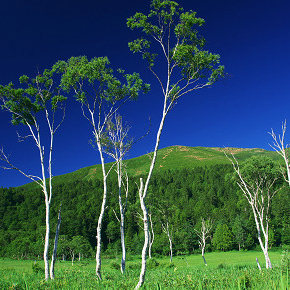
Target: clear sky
x: 252, y: 38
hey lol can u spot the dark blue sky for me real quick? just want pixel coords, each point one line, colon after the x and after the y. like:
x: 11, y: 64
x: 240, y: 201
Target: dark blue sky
x: 252, y: 38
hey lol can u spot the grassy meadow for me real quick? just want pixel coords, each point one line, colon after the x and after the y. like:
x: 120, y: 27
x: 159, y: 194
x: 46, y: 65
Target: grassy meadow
x: 225, y: 270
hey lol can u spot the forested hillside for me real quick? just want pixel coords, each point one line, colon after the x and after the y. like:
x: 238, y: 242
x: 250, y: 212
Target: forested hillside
x: 187, y: 185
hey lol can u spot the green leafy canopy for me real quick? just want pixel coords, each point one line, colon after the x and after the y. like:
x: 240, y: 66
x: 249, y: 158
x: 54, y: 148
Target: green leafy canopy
x: 32, y: 96
x: 79, y: 73
x: 180, y: 42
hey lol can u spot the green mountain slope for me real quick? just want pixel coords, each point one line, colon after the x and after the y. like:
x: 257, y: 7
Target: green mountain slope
x: 203, y: 189
x: 173, y: 158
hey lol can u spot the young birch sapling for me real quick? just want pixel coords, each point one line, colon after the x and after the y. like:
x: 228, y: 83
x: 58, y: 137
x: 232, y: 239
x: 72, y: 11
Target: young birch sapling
x: 117, y: 144
x: 188, y: 67
x: 203, y: 234
x: 35, y: 105
x: 259, y: 181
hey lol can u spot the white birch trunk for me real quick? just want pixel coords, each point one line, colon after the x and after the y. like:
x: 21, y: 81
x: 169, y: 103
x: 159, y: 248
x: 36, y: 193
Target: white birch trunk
x: 119, y: 146
x: 204, y: 234
x: 122, y: 229
x: 151, y: 236
x: 143, y: 194
x: 102, y: 212
x: 171, y: 250
x: 123, y: 261
x: 72, y: 258
x: 264, y: 246
x: 122, y: 215
x: 146, y: 236
x: 53, y: 259
x: 46, y: 242
x: 166, y: 230
x: 258, y: 264
x: 260, y: 207
x: 202, y: 253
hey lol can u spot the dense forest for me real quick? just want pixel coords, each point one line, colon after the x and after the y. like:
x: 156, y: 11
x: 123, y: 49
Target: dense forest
x: 182, y: 196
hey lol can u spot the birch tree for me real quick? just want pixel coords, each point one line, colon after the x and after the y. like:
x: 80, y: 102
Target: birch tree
x: 100, y: 95
x: 188, y: 67
x: 282, y: 149
x: 53, y: 258
x: 151, y: 235
x: 259, y: 182
x: 167, y: 230
x: 203, y: 234
x: 117, y: 145
x: 35, y: 104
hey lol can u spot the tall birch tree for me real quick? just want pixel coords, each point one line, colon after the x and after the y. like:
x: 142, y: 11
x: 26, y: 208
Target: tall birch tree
x: 259, y: 182
x: 188, y: 67
x: 35, y: 104
x: 100, y: 94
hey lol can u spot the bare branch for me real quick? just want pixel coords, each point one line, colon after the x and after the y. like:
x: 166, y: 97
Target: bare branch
x: 5, y: 158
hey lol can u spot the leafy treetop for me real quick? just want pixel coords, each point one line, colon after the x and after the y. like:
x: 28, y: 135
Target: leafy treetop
x: 182, y: 46
x: 34, y: 96
x: 95, y: 80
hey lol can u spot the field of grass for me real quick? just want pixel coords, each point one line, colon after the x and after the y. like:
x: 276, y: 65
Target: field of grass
x: 230, y: 270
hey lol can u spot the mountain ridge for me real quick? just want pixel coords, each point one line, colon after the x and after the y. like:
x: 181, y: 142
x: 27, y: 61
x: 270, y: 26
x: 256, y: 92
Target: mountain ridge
x: 172, y: 157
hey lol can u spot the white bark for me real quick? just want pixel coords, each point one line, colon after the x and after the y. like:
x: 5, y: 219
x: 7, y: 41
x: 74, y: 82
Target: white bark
x: 166, y: 229
x: 258, y: 264
x: 53, y: 259
x: 101, y: 216
x: 259, y: 197
x: 93, y: 112
x: 34, y: 128
x: 122, y: 217
x: 282, y: 149
x: 117, y: 147
x: 151, y: 235
x: 72, y: 258
x: 146, y: 236
x: 171, y: 93
x: 204, y: 234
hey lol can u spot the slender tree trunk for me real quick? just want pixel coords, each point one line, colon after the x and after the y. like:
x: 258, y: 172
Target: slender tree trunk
x: 46, y: 243
x: 122, y: 217
x: 268, y: 262
x: 171, y: 251
x: 143, y: 194
x: 102, y: 213
x: 123, y: 261
x: 264, y: 246
x: 202, y: 253
x: 99, y: 233
x: 72, y: 258
x: 146, y: 236
x: 151, y: 236
x: 53, y: 259
x: 258, y: 264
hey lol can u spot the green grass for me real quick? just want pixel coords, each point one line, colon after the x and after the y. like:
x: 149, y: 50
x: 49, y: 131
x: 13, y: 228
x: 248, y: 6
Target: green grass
x: 230, y: 270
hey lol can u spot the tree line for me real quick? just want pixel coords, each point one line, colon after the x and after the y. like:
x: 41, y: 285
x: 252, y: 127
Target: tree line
x: 187, y: 195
